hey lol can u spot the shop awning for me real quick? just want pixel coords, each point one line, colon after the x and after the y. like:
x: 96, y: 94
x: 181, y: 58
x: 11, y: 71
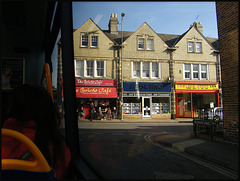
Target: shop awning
x: 96, y: 92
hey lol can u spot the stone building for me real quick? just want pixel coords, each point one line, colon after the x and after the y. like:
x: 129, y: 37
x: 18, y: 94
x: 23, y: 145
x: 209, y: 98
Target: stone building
x: 160, y: 76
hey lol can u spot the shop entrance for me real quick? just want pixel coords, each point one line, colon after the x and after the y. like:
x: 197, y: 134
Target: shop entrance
x: 146, y: 107
x: 180, y: 107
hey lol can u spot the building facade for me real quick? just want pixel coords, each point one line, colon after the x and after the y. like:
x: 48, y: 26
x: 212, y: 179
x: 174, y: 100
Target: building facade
x: 228, y: 30
x: 152, y: 75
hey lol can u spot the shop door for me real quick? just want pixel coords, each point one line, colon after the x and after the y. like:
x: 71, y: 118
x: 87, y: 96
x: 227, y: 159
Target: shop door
x: 146, y: 107
x: 180, y: 107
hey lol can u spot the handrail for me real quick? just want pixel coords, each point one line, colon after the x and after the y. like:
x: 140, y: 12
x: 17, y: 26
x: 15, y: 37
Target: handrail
x: 47, y: 75
x: 38, y: 165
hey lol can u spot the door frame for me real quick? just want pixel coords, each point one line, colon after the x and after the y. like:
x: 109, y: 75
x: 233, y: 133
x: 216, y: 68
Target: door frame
x: 149, y: 108
x: 177, y: 107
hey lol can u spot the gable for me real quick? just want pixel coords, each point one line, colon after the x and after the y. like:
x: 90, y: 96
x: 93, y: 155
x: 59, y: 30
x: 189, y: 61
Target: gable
x: 193, y: 34
x: 145, y: 31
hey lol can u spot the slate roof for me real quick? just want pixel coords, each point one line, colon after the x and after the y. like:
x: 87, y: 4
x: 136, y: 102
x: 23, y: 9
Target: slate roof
x: 169, y: 39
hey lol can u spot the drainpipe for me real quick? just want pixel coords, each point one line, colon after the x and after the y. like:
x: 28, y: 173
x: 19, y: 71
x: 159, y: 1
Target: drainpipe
x: 172, y: 81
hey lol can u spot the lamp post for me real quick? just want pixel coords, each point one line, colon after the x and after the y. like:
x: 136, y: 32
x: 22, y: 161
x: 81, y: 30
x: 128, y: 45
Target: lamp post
x: 123, y: 14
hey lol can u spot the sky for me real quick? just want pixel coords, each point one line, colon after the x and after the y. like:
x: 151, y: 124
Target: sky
x: 164, y: 17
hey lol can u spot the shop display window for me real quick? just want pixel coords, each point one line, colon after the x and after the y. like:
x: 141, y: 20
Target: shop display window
x: 132, y: 105
x: 160, y: 105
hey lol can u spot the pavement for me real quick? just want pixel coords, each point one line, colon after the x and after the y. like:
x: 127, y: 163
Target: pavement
x: 221, y: 153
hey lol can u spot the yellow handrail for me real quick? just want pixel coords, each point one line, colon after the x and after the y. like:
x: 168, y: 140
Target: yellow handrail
x: 39, y: 165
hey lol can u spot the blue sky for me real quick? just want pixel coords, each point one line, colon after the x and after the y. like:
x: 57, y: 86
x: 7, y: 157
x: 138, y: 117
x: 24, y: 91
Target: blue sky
x: 164, y: 17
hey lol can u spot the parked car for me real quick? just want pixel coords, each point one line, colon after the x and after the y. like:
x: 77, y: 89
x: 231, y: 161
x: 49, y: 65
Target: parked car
x: 215, y: 114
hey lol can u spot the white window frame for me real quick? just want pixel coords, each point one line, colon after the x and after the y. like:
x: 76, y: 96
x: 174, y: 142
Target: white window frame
x: 187, y: 71
x: 198, y: 48
x: 94, y: 68
x: 150, y: 70
x: 77, y: 69
x: 195, y: 71
x: 150, y: 45
x: 190, y: 46
x: 142, y: 43
x: 201, y: 71
x: 93, y: 40
x: 158, y: 69
x: 84, y: 41
x: 145, y: 69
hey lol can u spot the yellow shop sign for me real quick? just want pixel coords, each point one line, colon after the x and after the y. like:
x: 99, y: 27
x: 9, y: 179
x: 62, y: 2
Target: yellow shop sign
x: 184, y: 86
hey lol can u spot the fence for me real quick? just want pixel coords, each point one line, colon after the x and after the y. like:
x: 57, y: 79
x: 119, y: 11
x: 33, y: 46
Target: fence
x: 208, y: 124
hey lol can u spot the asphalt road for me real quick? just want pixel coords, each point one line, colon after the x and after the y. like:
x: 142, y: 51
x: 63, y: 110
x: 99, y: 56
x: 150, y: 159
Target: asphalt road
x: 125, y: 151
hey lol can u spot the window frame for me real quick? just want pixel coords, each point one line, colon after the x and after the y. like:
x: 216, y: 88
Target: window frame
x: 84, y: 46
x: 152, y: 45
x: 136, y: 70
x: 150, y: 70
x: 94, y: 39
x: 143, y: 41
x: 199, y: 43
x: 187, y: 71
x: 205, y: 72
x: 191, y: 46
x: 144, y: 69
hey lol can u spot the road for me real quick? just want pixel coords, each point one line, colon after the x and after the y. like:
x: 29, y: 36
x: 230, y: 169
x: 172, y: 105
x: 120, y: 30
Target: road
x: 125, y: 151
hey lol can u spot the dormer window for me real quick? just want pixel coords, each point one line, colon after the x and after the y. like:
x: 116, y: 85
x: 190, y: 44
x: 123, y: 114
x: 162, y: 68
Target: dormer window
x: 194, y: 47
x: 190, y: 46
x: 198, y: 47
x: 94, y: 41
x: 84, y: 41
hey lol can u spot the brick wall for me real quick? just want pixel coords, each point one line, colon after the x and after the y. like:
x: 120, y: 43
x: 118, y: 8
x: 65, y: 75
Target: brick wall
x: 227, y: 18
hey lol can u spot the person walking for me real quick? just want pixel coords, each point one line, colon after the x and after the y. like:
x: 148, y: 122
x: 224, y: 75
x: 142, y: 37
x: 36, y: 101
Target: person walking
x: 91, y: 111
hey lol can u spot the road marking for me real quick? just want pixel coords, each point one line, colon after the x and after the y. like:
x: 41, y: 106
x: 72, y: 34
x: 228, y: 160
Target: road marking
x: 219, y: 169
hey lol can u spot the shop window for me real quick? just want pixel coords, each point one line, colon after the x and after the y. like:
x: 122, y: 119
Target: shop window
x: 132, y: 105
x: 160, y: 105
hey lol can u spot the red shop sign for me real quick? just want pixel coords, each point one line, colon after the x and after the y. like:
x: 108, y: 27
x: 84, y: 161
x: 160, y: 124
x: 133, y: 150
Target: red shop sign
x: 96, y: 82
x: 96, y: 92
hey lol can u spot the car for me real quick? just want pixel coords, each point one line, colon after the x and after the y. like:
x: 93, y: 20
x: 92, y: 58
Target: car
x: 215, y: 114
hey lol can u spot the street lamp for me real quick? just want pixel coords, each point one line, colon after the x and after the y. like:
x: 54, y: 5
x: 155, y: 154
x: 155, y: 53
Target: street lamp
x: 123, y: 14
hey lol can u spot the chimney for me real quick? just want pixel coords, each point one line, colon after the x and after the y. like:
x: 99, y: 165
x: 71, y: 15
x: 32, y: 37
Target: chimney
x: 113, y: 24
x: 199, y: 26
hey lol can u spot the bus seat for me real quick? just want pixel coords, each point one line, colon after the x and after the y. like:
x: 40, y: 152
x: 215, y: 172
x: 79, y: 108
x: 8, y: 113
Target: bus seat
x: 21, y: 169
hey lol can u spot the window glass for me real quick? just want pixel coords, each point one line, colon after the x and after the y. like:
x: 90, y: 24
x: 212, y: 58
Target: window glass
x: 154, y: 69
x: 100, y: 68
x: 204, y: 71
x: 198, y: 47
x: 187, y: 71
x: 141, y: 44
x: 145, y: 69
x: 94, y: 42
x: 84, y: 41
x: 132, y: 105
x: 90, y: 68
x: 190, y: 47
x: 195, y: 71
x: 149, y: 44
x: 136, y: 69
x: 79, y: 69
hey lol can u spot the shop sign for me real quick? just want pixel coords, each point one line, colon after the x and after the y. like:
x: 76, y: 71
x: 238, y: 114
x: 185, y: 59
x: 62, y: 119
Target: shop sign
x: 147, y: 86
x: 196, y: 86
x: 96, y: 92
x: 96, y: 82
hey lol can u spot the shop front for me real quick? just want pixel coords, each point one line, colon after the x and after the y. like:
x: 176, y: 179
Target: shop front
x: 192, y: 97
x: 102, y: 92
x: 150, y: 100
